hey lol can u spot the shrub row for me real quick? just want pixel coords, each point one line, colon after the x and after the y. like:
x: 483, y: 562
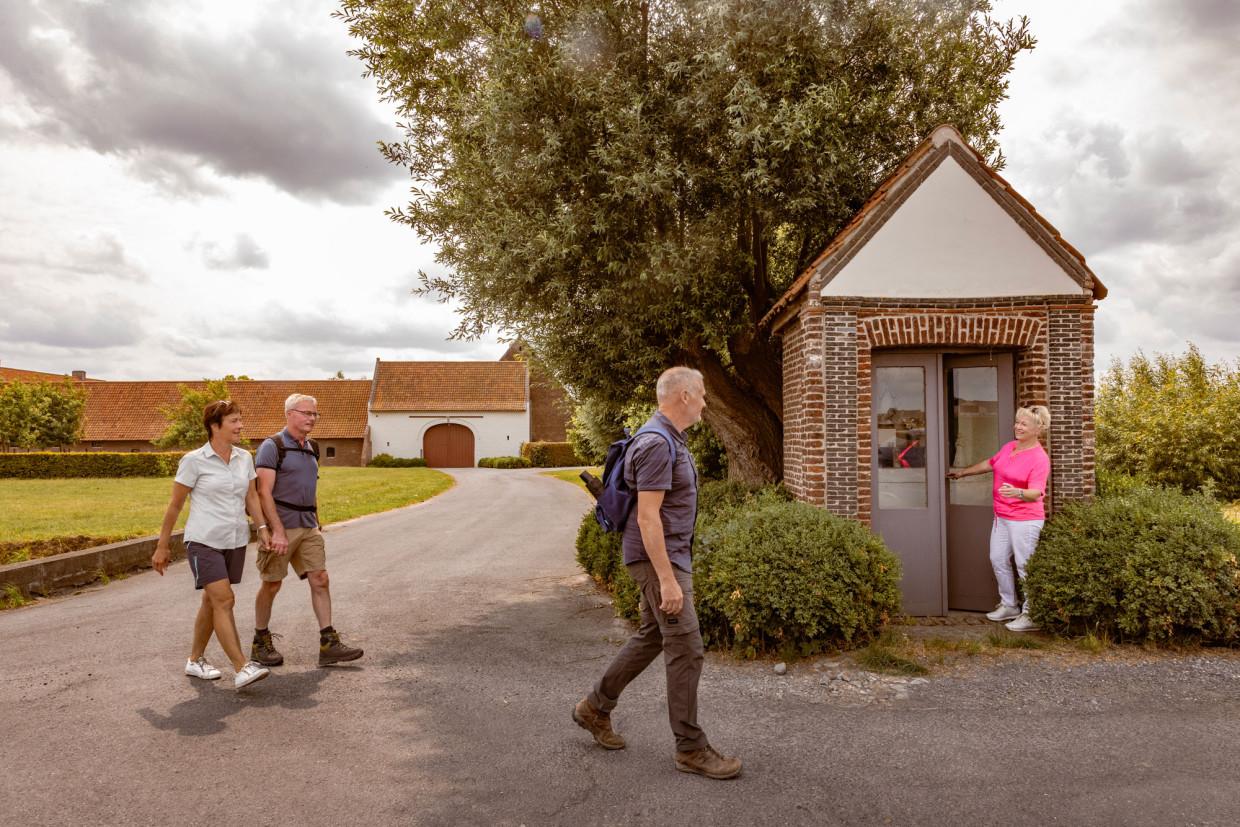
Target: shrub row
x: 1141, y: 564
x: 769, y: 574
x: 503, y: 462
x: 55, y: 464
x: 389, y: 461
x: 551, y: 454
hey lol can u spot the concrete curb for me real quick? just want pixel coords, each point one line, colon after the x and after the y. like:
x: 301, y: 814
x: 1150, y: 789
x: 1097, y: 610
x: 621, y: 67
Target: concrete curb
x: 77, y: 568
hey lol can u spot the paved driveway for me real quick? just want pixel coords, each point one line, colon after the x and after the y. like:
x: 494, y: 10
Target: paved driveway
x: 481, y: 634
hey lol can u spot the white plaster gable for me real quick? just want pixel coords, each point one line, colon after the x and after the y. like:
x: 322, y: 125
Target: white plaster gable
x: 951, y: 239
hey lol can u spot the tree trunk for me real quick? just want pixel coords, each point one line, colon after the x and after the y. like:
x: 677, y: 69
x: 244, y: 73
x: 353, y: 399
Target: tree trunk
x: 739, y: 411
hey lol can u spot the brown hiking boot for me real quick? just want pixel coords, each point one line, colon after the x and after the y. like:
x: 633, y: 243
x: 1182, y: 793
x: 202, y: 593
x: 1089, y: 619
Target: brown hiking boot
x: 706, y: 761
x: 331, y: 650
x: 263, y: 650
x: 597, y: 724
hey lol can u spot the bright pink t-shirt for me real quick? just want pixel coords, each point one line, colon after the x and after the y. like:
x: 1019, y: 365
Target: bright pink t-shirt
x: 1026, y: 469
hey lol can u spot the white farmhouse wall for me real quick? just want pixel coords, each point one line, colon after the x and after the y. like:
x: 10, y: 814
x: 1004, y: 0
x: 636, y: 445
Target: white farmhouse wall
x: 951, y: 240
x: 496, y: 434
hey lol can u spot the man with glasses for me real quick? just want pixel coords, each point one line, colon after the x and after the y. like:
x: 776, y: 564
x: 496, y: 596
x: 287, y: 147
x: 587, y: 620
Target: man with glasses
x: 288, y: 474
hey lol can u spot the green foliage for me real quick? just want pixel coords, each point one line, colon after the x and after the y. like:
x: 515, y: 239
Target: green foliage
x: 57, y: 464
x: 550, y: 454
x: 41, y: 414
x: 185, y: 429
x: 636, y: 186
x: 11, y: 597
x: 1148, y: 564
x: 389, y: 461
x: 1171, y: 420
x: 1007, y: 640
x: 504, y: 462
x: 880, y: 656
x: 599, y: 553
x: 772, y: 575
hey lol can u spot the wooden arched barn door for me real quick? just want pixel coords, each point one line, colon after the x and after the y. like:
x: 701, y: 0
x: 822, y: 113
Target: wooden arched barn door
x: 448, y: 446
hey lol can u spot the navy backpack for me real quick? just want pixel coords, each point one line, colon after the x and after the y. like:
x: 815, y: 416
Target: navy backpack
x: 615, y: 498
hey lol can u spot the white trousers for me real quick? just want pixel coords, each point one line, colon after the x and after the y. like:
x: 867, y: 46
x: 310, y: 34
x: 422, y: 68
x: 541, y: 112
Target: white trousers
x: 1008, y: 539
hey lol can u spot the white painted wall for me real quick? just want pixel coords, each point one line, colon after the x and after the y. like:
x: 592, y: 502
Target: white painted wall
x: 496, y: 434
x: 950, y: 239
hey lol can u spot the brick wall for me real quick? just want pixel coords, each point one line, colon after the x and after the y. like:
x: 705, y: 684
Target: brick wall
x: 549, y: 409
x: 829, y: 465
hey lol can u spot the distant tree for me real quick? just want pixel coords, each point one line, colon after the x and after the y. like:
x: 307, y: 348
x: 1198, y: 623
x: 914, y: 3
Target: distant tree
x: 1171, y: 420
x: 17, y: 424
x: 184, y: 429
x: 339, y: 375
x: 631, y: 184
x: 41, y: 414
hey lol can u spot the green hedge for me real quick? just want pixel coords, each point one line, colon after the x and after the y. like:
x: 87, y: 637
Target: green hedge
x: 600, y: 555
x: 551, y: 454
x: 1145, y: 564
x: 769, y: 574
x: 787, y: 577
x: 55, y: 464
x: 503, y: 462
x: 389, y: 461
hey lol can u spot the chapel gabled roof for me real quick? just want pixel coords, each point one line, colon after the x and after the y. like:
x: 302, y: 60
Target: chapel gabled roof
x: 450, y: 386
x: 942, y: 142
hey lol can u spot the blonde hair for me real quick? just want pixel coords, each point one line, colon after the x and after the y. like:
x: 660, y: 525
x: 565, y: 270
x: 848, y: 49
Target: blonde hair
x: 674, y: 380
x: 1039, y: 414
x: 295, y: 399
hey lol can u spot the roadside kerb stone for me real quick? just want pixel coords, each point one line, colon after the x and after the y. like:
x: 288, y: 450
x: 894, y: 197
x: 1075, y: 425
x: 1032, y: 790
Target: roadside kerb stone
x: 78, y: 568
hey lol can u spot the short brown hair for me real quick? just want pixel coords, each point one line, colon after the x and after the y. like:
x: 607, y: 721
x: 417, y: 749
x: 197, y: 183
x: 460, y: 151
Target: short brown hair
x: 214, y: 414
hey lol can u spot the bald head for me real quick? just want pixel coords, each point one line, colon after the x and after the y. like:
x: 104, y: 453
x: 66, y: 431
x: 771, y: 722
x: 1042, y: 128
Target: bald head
x: 674, y: 380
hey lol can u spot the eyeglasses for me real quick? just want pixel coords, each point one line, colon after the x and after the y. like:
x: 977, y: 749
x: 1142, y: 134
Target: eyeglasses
x: 309, y: 414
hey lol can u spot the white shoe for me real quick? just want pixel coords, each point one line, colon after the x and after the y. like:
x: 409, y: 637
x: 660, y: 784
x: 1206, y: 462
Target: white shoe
x: 1022, y: 624
x: 1003, y: 612
x: 201, y: 669
x: 252, y: 672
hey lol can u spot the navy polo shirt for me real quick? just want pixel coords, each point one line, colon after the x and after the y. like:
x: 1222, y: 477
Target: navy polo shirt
x: 296, y: 481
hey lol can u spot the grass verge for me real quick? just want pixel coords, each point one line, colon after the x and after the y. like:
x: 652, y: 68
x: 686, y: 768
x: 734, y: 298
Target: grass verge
x: 881, y: 656
x: 573, y: 475
x: 1004, y: 640
x: 11, y: 597
x: 43, y: 517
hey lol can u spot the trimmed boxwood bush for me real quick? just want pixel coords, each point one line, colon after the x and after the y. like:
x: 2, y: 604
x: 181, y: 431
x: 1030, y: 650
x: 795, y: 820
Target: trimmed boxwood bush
x: 55, y: 464
x: 503, y: 462
x: 787, y: 577
x: 1147, y: 564
x: 551, y: 454
x: 389, y: 461
x: 600, y: 555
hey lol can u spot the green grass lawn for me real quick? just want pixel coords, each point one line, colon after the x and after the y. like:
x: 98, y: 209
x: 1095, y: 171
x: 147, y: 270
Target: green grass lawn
x: 114, y: 509
x: 573, y: 475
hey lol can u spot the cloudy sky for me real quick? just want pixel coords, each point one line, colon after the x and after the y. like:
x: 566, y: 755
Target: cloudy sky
x: 176, y: 178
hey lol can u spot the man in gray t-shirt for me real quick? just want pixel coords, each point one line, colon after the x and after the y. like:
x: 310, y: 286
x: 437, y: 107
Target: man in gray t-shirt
x: 658, y: 544
x: 288, y: 478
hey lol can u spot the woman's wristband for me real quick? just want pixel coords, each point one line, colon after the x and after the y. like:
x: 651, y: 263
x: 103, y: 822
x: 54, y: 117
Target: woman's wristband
x: 261, y: 527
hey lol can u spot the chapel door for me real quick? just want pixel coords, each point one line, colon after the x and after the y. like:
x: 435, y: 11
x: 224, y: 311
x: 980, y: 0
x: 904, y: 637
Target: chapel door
x: 979, y: 414
x: 908, y: 472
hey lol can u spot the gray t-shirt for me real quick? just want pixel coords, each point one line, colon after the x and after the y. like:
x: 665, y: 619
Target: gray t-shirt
x: 296, y: 481
x: 648, y: 466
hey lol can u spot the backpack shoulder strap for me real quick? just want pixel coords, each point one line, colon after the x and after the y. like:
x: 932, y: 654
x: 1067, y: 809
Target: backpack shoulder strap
x: 314, y: 448
x: 280, y: 449
x: 651, y: 429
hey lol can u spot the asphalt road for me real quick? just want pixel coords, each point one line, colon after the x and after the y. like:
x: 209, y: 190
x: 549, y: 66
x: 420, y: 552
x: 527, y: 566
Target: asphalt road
x: 480, y: 635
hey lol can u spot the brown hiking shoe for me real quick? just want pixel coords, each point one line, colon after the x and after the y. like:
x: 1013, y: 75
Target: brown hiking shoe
x: 597, y: 724
x: 331, y: 650
x: 706, y: 761
x: 263, y: 650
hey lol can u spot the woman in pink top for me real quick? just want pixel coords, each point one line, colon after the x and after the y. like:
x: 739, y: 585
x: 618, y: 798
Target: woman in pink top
x: 1021, y: 469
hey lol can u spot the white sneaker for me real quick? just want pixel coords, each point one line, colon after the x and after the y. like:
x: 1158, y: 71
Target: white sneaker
x: 201, y: 669
x: 250, y: 673
x: 1003, y: 612
x: 1022, y: 624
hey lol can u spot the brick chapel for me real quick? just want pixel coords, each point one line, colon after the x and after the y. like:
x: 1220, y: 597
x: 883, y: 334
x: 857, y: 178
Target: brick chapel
x: 943, y: 305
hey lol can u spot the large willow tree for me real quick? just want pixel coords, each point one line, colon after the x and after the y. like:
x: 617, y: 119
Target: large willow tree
x: 630, y: 185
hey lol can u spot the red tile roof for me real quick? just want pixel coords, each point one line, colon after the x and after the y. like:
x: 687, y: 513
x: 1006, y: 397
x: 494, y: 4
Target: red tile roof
x: 891, y: 184
x: 10, y: 374
x: 450, y: 386
x: 131, y: 410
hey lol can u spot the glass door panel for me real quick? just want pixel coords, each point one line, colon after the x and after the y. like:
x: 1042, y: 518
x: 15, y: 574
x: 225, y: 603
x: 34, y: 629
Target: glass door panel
x: 972, y: 430
x: 900, y: 425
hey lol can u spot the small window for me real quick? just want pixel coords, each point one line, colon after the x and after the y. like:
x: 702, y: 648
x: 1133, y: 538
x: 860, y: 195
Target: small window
x: 331, y: 451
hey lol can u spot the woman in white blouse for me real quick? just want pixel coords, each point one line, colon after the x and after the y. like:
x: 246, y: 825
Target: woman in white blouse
x: 219, y: 477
